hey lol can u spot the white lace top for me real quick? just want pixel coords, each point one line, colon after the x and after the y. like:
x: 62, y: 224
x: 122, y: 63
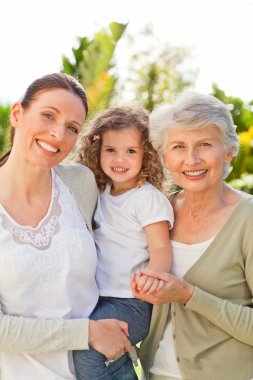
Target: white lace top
x: 48, y: 272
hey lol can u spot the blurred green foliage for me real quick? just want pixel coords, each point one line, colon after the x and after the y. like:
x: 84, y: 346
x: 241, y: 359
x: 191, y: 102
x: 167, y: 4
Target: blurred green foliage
x: 92, y: 63
x: 155, y: 73
x: 4, y: 126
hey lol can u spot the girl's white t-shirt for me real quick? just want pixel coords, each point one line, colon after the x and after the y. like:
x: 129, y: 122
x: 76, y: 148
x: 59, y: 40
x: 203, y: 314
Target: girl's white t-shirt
x: 46, y: 272
x: 119, y: 236
x: 184, y: 256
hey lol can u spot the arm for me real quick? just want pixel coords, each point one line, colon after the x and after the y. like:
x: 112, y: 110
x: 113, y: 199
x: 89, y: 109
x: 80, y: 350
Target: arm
x: 234, y: 319
x: 174, y: 290
x: 159, y: 246
x: 34, y: 335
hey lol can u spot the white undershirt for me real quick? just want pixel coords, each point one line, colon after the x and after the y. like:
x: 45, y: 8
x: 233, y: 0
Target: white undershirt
x: 184, y: 257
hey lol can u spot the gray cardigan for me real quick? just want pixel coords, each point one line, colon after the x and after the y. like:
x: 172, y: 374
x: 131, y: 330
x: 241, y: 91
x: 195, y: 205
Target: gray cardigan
x: 30, y: 335
x: 213, y: 333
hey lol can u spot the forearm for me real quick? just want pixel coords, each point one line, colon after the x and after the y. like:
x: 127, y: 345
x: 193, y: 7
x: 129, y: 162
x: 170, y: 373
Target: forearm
x: 160, y: 259
x: 30, y: 335
x: 236, y: 320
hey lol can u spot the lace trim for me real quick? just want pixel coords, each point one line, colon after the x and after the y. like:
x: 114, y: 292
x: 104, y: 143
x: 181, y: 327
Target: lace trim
x: 41, y: 236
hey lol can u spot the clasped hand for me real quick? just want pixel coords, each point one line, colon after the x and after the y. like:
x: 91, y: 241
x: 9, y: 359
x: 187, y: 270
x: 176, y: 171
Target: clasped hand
x: 159, y: 287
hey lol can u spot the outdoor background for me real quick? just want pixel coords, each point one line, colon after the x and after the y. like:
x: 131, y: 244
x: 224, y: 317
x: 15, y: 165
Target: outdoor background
x: 134, y: 51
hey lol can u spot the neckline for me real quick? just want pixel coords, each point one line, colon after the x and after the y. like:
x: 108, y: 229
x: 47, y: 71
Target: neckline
x: 24, y: 226
x: 199, y: 244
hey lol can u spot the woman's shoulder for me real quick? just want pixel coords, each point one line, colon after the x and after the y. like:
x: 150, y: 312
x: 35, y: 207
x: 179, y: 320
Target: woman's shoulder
x: 73, y: 169
x: 78, y: 178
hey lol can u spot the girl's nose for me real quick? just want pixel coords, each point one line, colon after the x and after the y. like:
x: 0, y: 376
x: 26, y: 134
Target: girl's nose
x: 120, y: 157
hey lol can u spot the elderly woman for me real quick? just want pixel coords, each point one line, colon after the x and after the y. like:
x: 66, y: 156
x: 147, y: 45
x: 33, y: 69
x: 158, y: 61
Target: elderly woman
x: 203, y: 328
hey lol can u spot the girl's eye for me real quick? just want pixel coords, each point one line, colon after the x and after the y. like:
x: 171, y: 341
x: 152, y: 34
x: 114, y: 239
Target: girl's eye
x: 131, y: 151
x: 48, y: 115
x: 73, y: 129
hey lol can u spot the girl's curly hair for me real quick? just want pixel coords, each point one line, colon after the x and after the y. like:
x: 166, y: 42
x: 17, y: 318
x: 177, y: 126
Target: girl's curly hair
x: 117, y: 118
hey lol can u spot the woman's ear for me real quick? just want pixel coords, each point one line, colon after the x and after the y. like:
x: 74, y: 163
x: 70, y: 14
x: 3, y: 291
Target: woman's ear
x: 228, y: 157
x: 16, y: 110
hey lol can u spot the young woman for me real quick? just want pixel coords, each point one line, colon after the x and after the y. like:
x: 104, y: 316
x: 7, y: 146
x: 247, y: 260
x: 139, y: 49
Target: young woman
x: 47, y: 256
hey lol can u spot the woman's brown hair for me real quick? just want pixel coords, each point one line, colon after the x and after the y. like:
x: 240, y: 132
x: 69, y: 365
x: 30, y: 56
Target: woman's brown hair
x: 47, y: 82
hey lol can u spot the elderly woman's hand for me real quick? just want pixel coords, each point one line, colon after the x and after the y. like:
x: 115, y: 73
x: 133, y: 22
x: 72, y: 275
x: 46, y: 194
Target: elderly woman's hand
x: 174, y: 290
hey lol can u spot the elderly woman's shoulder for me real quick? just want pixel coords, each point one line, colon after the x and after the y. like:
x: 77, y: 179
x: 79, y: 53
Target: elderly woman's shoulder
x: 246, y: 203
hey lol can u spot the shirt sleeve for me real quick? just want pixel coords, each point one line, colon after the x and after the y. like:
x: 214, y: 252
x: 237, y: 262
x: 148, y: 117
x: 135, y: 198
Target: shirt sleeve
x: 233, y: 318
x: 153, y: 206
x: 30, y: 335
x: 236, y: 320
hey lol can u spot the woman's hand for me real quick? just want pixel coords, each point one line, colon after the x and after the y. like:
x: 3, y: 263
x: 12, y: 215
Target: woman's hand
x: 110, y: 337
x: 174, y: 290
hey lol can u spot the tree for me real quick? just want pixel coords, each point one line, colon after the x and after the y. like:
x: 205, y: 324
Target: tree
x: 156, y: 72
x: 241, y: 111
x: 93, y: 65
x: 4, y: 126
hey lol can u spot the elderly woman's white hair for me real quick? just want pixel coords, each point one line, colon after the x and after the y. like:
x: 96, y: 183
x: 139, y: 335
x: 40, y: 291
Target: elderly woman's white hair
x: 192, y: 110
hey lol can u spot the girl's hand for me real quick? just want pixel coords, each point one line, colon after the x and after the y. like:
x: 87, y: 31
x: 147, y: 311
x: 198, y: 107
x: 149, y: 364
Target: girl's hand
x: 174, y: 290
x: 147, y: 285
x: 109, y: 337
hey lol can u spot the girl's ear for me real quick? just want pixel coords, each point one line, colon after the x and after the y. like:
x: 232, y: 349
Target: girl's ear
x: 16, y: 110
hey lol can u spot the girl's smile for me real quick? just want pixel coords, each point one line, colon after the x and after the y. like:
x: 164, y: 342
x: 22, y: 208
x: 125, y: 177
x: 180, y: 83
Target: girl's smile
x: 121, y: 158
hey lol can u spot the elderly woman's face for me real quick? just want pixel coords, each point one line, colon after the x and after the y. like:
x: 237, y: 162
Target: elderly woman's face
x: 195, y: 158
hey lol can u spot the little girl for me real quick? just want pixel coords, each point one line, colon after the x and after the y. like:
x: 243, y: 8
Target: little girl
x: 132, y: 223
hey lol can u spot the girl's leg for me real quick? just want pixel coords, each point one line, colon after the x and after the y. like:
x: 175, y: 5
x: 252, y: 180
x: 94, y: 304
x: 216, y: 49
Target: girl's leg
x: 122, y: 369
x: 90, y: 364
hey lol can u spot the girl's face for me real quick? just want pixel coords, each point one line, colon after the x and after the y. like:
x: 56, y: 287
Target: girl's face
x: 121, y: 158
x: 47, y: 130
x: 196, y: 158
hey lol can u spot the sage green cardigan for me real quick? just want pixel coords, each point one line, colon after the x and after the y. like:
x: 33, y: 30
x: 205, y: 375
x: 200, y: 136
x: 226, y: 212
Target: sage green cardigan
x: 213, y: 333
x: 30, y: 335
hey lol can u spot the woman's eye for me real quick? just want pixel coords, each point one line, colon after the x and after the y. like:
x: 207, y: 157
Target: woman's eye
x: 73, y: 129
x: 205, y: 144
x: 48, y: 115
x: 178, y: 146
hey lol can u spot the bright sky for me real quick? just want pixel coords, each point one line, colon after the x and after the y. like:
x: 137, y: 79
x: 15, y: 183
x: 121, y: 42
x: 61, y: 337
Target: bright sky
x: 35, y: 33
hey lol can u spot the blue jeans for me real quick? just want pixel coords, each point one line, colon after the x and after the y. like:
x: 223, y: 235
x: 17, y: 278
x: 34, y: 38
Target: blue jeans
x: 90, y: 364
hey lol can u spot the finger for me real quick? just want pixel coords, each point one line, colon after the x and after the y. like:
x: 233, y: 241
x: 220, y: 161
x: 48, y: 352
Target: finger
x: 160, y: 286
x: 141, y: 281
x: 149, y: 283
x: 124, y: 327
x: 155, y: 274
x: 154, y: 287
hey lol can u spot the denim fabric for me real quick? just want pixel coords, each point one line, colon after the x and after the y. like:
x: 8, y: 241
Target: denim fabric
x: 122, y: 369
x: 90, y: 364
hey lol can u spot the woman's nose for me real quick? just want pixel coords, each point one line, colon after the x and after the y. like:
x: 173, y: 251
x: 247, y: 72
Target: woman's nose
x: 192, y: 157
x: 58, y: 131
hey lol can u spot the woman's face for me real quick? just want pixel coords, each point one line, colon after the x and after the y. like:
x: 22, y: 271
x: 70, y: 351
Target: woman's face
x: 195, y: 158
x: 47, y: 130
